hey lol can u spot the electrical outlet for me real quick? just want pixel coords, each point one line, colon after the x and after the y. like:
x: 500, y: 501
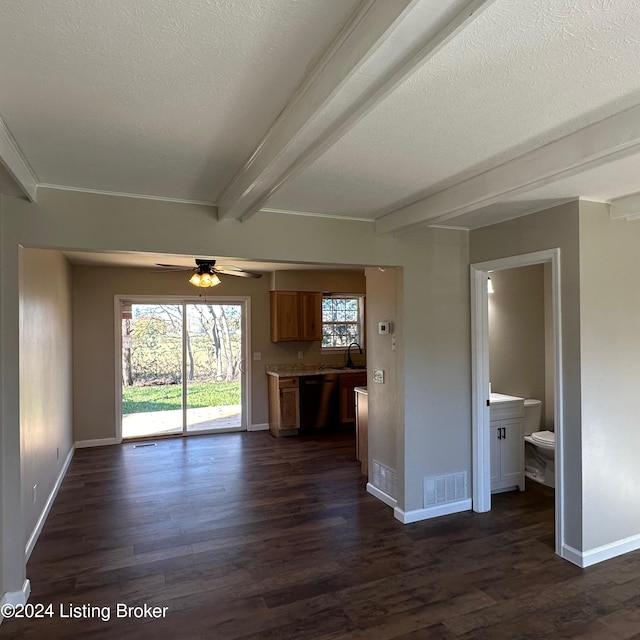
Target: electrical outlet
x: 300, y: 355
x: 35, y: 493
x: 378, y: 376
x: 257, y: 355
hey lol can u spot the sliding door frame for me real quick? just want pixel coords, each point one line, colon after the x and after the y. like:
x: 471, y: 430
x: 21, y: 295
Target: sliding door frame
x: 245, y: 365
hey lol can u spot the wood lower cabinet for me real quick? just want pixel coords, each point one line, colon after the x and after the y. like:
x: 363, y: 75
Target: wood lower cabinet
x: 348, y: 381
x: 362, y: 431
x: 284, y: 406
x: 296, y: 315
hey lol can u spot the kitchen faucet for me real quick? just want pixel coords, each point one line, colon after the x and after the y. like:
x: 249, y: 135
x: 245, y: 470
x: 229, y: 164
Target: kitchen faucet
x: 350, y: 364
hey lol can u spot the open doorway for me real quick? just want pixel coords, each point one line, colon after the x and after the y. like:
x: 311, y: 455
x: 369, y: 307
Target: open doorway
x: 181, y: 366
x: 481, y: 392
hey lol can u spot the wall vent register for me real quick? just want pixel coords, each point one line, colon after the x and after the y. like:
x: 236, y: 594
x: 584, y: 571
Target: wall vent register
x: 443, y: 489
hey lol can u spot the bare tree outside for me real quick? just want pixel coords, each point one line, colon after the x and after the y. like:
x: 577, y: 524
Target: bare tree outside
x: 152, y: 357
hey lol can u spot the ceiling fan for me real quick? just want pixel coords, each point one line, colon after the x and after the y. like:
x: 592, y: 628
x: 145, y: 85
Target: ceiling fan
x: 205, y: 273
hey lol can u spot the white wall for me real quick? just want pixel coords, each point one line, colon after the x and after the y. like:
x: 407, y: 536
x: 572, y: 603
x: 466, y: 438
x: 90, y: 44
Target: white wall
x: 45, y: 377
x: 610, y: 357
x: 434, y: 437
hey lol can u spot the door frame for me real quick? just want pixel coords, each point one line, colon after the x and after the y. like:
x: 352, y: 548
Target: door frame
x: 245, y: 367
x: 480, y: 379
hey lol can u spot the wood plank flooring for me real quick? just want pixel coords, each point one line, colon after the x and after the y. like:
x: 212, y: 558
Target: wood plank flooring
x: 243, y: 536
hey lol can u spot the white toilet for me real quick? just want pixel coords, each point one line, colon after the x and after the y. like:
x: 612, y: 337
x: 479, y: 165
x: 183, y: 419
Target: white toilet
x: 539, y: 446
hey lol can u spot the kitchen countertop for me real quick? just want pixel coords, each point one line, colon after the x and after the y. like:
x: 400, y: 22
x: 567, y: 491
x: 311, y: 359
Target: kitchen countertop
x: 287, y: 373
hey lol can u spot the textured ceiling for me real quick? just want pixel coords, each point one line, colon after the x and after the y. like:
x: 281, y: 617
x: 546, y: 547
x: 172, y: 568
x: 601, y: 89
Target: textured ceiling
x: 172, y: 99
x: 150, y: 260
x: 520, y: 75
x: 159, y: 97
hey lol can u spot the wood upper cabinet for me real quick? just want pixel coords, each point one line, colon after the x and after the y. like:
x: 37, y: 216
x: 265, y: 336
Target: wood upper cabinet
x: 310, y: 315
x: 285, y: 315
x: 296, y: 315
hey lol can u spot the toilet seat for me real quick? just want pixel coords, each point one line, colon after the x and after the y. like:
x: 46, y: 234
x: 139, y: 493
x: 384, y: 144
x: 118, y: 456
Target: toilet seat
x: 544, y: 437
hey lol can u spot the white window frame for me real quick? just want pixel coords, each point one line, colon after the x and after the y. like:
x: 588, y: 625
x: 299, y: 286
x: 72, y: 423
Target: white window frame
x: 360, y: 297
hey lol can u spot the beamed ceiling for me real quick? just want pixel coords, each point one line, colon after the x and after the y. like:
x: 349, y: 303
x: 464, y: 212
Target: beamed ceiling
x: 399, y: 113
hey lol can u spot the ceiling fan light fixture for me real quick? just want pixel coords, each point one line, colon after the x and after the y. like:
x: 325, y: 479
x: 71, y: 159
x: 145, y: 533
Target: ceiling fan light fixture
x: 205, y: 277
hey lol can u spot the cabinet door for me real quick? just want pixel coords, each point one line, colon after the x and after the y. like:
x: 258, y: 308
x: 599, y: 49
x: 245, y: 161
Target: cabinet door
x: 362, y: 432
x: 289, y: 408
x: 495, y: 451
x: 348, y: 381
x: 310, y: 315
x: 512, y: 455
x: 284, y: 316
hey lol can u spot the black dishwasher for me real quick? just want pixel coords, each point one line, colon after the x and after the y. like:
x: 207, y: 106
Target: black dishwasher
x: 319, y: 401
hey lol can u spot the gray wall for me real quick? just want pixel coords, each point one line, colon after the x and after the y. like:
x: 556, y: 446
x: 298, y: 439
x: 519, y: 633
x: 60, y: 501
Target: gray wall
x: 557, y: 227
x: 610, y: 357
x: 94, y: 289
x: 45, y: 377
x: 434, y: 436
x: 517, y: 332
x: 382, y: 305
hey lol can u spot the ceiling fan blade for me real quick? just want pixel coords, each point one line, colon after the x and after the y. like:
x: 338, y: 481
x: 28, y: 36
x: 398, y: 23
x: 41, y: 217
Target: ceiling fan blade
x: 240, y: 274
x: 228, y: 267
x: 174, y: 267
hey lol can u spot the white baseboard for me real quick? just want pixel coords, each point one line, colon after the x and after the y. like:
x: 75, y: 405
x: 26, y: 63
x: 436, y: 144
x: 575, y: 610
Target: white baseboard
x: 16, y: 597
x: 406, y: 517
x: 100, y: 442
x: 33, y: 538
x: 600, y: 554
x: 572, y: 555
x: 381, y: 495
x: 264, y: 426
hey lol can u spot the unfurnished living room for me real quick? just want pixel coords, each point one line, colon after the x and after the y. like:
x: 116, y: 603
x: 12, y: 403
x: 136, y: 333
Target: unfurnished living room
x: 319, y: 319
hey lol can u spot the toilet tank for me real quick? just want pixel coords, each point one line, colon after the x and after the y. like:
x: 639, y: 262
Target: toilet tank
x: 532, y: 416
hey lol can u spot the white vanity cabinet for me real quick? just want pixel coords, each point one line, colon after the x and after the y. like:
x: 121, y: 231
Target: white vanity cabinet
x: 507, y: 442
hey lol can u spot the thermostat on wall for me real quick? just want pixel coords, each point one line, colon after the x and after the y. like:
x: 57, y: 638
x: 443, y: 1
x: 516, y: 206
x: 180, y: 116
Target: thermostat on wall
x: 385, y: 328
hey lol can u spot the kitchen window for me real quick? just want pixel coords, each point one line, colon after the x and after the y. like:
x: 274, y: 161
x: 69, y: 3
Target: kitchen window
x: 342, y: 321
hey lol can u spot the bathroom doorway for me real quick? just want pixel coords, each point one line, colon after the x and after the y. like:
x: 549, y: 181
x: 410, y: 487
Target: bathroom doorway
x: 481, y: 379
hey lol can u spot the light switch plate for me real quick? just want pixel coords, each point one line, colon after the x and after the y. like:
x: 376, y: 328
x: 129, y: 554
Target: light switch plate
x: 257, y: 355
x: 378, y: 376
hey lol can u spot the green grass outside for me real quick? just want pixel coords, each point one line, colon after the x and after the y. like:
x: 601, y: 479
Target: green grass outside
x: 169, y: 396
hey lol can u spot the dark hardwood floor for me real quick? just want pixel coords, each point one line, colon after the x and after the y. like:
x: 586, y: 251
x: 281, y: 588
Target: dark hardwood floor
x: 247, y: 536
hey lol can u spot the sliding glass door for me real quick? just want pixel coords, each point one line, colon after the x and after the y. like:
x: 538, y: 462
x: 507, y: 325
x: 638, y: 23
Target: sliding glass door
x: 182, y: 368
x: 214, y: 367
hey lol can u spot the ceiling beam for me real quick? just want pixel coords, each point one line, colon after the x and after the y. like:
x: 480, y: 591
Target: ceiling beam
x: 16, y: 164
x: 380, y: 46
x: 611, y: 139
x: 627, y: 207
